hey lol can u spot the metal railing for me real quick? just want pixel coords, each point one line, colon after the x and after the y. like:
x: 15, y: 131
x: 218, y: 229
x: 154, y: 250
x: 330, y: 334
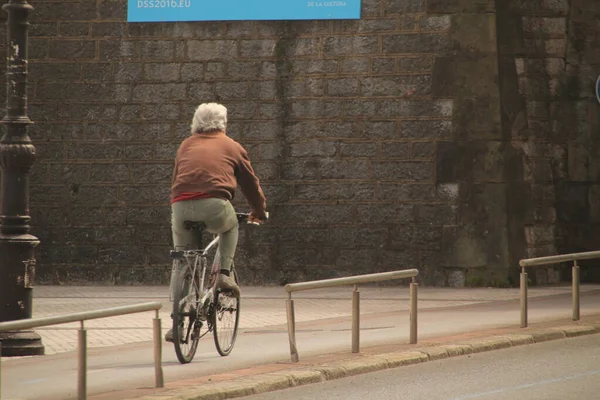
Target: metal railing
x: 82, y: 336
x: 533, y: 262
x: 351, y: 280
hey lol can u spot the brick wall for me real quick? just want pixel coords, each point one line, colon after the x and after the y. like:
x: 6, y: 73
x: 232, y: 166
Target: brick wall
x: 382, y: 144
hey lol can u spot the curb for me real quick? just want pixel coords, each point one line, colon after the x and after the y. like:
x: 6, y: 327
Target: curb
x: 303, y: 375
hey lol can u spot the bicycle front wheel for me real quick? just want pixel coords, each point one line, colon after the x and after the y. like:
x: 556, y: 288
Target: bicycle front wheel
x: 225, y: 319
x: 186, y: 325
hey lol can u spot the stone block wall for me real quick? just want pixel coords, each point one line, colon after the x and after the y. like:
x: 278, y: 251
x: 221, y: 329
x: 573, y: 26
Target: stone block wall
x: 557, y: 66
x: 338, y: 116
x: 426, y: 135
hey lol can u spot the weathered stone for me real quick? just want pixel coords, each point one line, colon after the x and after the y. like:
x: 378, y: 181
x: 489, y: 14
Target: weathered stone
x: 317, y: 66
x: 445, y: 131
x: 66, y: 12
x: 200, y: 50
x: 402, y: 171
x: 164, y: 72
x: 97, y: 72
x: 145, y: 30
x: 396, y: 86
x: 74, y: 29
x: 316, y: 108
x: 361, y: 236
x: 435, y: 214
x: 111, y: 9
x: 343, y: 87
x: 395, y: 149
x: 300, y: 170
x: 364, y: 108
x: 460, y: 6
x: 115, y: 29
x: 358, y: 149
x: 413, y: 108
x: 355, y: 65
x: 330, y: 169
x: 313, y: 148
x: 311, y: 192
x: 465, y: 77
x: 157, y: 93
x: 117, y: 50
x: 355, y: 258
x: 384, y: 65
x: 436, y: 23
x: 354, y: 191
x: 409, y: 6
x: 408, y: 43
x: 385, y: 214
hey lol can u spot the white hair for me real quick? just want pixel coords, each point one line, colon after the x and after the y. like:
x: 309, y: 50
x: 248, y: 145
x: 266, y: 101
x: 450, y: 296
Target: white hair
x: 209, y: 117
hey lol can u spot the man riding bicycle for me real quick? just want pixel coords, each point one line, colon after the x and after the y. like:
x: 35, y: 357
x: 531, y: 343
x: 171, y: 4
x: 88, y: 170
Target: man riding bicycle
x: 208, y: 167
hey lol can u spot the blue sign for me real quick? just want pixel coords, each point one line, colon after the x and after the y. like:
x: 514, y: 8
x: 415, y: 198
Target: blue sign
x: 239, y: 10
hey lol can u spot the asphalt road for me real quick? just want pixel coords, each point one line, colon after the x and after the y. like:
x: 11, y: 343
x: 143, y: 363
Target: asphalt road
x: 558, y: 370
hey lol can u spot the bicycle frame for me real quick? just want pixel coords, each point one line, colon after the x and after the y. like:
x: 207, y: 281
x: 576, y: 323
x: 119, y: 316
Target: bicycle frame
x: 201, y: 259
x: 204, y: 303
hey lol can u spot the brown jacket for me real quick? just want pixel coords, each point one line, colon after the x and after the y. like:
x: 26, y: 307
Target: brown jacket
x: 214, y: 164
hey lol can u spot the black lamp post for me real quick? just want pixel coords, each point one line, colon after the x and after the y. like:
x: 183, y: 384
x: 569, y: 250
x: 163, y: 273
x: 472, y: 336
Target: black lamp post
x: 17, y: 154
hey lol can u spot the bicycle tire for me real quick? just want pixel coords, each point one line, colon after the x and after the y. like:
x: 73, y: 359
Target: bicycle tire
x: 186, y: 325
x: 225, y: 318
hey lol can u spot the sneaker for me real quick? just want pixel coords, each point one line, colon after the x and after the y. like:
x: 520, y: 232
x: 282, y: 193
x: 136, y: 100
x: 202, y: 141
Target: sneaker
x: 169, y: 335
x: 225, y: 282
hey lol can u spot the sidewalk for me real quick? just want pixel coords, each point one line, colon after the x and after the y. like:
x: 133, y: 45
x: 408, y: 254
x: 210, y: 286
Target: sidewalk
x: 120, y: 352
x: 261, y: 307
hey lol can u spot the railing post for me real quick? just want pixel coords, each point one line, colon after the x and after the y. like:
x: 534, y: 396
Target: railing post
x: 292, y: 328
x: 576, y: 284
x: 82, y: 364
x: 413, y: 311
x: 523, y: 298
x: 355, y: 320
x: 158, y: 372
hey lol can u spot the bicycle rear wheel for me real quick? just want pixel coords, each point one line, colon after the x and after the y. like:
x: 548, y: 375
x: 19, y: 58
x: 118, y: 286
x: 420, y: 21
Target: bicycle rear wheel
x: 186, y: 326
x: 225, y: 319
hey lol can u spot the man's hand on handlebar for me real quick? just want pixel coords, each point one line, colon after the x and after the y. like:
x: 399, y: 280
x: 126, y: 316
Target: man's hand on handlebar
x: 257, y: 221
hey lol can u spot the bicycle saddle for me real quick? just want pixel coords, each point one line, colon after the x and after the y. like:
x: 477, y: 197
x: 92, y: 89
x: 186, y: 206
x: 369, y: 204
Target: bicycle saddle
x: 194, y: 225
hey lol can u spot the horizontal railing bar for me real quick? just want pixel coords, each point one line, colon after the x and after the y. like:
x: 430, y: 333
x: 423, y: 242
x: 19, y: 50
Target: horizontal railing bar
x: 81, y: 316
x: 351, y: 280
x: 531, y: 262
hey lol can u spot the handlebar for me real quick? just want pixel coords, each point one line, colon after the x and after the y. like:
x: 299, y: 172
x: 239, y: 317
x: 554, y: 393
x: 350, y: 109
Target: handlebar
x: 244, y: 217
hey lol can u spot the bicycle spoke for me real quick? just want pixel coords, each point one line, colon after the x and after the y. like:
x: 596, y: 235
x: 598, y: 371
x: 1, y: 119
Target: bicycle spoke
x: 186, y: 324
x: 225, y: 320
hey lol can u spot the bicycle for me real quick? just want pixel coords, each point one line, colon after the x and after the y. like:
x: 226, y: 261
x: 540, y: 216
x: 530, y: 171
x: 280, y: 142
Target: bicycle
x: 198, y: 306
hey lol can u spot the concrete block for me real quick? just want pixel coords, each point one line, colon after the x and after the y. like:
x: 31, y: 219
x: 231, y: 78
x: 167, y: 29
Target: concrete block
x: 517, y: 340
x: 399, y: 359
x: 332, y: 371
x: 222, y: 390
x: 305, y: 377
x: 265, y: 383
x: 543, y: 336
x: 458, y: 349
x: 435, y: 353
x: 365, y: 365
x: 490, y: 344
x: 577, y: 330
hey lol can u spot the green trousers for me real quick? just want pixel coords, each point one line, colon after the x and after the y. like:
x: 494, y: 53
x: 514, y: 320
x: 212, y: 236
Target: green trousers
x: 219, y: 217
